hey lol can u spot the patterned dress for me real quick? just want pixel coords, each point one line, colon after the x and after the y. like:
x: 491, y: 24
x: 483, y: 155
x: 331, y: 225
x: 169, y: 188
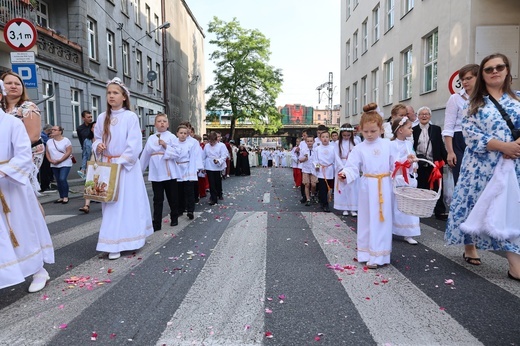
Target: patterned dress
x: 477, y: 169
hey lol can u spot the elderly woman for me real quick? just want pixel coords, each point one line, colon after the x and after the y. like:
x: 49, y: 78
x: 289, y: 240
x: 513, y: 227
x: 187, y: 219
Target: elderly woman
x: 489, y: 141
x: 59, y: 150
x: 25, y: 242
x: 17, y: 103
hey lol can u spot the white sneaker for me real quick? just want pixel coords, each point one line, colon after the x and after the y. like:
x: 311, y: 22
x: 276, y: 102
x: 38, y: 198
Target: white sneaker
x: 39, y: 280
x: 114, y: 255
x: 353, y: 213
x: 410, y: 240
x: 345, y: 213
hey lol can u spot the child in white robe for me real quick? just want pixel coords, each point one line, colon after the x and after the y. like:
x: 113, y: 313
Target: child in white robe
x: 404, y: 225
x: 374, y: 158
x: 160, y: 154
x: 117, y: 139
x: 25, y: 242
x: 345, y: 195
x: 324, y: 165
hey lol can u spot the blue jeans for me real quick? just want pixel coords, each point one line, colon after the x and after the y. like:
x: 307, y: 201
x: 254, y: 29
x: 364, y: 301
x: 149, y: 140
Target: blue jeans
x: 61, y: 174
x: 85, y: 154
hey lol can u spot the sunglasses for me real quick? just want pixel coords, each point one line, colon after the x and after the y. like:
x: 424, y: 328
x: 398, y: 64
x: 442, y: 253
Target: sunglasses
x: 498, y: 68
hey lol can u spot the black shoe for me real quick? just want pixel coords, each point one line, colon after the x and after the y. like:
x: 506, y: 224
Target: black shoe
x: 442, y: 217
x: 190, y: 215
x: 212, y: 203
x: 326, y: 209
x: 221, y: 198
x: 308, y: 203
x: 303, y: 200
x: 174, y: 221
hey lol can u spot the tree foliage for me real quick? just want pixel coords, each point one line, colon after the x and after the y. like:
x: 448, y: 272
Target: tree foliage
x: 245, y: 83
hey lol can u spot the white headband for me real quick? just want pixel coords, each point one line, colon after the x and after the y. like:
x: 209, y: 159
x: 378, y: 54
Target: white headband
x: 346, y: 129
x: 401, y: 123
x: 118, y: 81
x: 2, y: 87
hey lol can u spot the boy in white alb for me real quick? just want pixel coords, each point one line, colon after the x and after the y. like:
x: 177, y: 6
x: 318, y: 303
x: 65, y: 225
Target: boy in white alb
x: 161, y: 153
x: 309, y: 178
x: 324, y: 166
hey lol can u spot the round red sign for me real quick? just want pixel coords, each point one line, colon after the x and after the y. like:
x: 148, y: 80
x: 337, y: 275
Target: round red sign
x: 20, y: 34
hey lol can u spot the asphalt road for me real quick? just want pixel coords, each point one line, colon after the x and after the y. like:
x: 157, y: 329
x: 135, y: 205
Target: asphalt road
x: 258, y: 268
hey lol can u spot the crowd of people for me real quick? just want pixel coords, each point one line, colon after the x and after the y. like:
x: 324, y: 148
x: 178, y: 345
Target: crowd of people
x: 348, y: 170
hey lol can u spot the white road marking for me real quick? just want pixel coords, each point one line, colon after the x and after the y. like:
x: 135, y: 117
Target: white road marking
x: 267, y: 198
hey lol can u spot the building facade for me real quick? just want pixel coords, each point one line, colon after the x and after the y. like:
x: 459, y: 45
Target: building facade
x: 328, y: 117
x: 82, y: 44
x: 409, y: 51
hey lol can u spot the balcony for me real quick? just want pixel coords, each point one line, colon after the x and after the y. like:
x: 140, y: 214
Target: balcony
x: 10, y: 9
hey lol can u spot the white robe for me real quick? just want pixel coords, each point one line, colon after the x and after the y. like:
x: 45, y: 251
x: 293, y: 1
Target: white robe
x: 325, y: 157
x: 162, y: 162
x: 127, y: 222
x: 26, y: 220
x: 345, y: 195
x: 403, y: 224
x: 374, y: 236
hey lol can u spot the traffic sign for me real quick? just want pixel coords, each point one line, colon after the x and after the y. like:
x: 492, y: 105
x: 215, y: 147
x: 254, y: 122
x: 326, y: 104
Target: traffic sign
x: 22, y: 58
x: 454, y: 84
x: 20, y: 34
x: 28, y: 74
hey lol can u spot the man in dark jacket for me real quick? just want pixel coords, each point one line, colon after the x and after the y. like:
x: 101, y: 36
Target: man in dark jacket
x: 85, y: 136
x: 427, y: 143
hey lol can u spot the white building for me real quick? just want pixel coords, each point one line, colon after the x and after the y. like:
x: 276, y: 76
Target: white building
x: 405, y: 51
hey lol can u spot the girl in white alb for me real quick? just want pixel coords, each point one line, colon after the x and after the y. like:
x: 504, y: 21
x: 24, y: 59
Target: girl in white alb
x: 374, y: 158
x: 404, y: 225
x: 345, y: 195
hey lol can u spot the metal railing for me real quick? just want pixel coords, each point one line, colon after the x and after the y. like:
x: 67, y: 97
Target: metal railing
x: 10, y: 9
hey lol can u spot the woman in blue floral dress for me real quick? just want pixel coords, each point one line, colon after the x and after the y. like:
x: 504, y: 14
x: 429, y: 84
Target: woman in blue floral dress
x: 488, y: 138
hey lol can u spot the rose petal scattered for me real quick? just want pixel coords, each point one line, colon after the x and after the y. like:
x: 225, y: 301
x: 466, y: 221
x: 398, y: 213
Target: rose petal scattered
x: 63, y: 326
x: 93, y: 336
x: 269, y: 335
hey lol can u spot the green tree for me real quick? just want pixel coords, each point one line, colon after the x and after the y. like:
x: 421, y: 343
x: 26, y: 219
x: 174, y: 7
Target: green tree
x: 245, y: 83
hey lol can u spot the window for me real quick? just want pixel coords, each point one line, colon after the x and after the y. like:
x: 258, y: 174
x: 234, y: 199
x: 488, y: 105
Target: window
x: 375, y: 21
x: 407, y: 6
x: 92, y: 39
x: 95, y: 100
x: 124, y: 6
x: 137, y: 12
x: 75, y: 102
x: 356, y: 2
x: 407, y: 74
x: 364, y: 96
x: 158, y: 71
x: 139, y: 65
x: 348, y: 8
x: 347, y: 102
x: 355, y: 48
x: 319, y: 116
x: 148, y: 69
x: 389, y: 14
x: 364, y: 33
x: 50, y: 104
x: 140, y: 114
x: 157, y: 32
x: 148, y: 18
x: 375, y: 86
x: 42, y: 14
x: 111, y: 53
x: 354, y: 99
x: 430, y: 62
x: 389, y: 81
x: 126, y: 58
x: 347, y: 55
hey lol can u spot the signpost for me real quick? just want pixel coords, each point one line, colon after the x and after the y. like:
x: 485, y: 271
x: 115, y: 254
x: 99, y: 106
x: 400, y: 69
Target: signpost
x: 20, y: 34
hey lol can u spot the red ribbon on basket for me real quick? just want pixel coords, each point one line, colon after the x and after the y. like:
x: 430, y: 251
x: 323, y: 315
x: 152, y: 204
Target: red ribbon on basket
x: 403, y: 166
x: 436, y: 174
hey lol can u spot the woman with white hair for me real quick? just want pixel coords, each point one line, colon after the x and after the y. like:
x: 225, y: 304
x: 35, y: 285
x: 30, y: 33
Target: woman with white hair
x: 25, y: 242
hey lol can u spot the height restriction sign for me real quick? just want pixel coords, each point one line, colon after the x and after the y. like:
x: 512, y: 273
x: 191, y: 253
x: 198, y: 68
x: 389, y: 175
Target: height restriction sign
x: 20, y: 34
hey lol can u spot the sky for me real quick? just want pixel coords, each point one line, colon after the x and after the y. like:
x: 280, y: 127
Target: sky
x: 304, y: 35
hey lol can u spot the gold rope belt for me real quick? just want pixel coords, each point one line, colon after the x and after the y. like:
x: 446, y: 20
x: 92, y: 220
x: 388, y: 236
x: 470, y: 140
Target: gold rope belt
x: 379, y: 178
x: 167, y: 167
x: 7, y: 210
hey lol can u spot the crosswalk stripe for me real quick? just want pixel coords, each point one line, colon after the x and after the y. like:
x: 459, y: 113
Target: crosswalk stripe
x: 411, y: 318
x: 267, y: 198
x: 58, y: 304
x: 224, y: 306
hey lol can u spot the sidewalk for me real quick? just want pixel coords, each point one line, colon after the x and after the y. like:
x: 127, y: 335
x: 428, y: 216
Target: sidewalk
x: 75, y: 191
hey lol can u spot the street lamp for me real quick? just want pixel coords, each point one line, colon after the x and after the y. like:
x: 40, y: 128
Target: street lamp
x: 164, y: 25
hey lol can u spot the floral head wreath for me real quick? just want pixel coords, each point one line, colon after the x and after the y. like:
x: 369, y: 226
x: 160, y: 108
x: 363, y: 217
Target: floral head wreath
x: 401, y: 123
x: 346, y: 129
x: 2, y: 88
x: 118, y: 81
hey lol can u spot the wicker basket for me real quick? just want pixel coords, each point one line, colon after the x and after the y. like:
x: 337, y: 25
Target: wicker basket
x: 415, y: 201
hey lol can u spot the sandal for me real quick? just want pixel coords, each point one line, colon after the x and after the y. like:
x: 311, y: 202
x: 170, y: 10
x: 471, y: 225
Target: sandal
x: 85, y: 209
x: 58, y: 201
x: 472, y: 260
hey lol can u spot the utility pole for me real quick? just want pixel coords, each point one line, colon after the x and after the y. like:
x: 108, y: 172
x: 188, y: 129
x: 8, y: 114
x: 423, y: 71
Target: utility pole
x: 330, y: 92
